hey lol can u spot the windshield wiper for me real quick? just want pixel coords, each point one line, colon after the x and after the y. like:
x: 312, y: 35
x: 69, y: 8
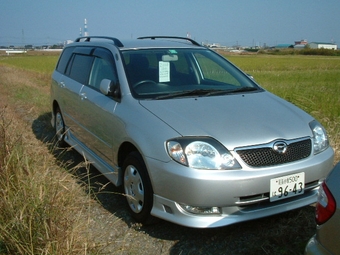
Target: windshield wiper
x: 205, y: 92
x: 224, y: 92
x: 195, y: 92
x: 242, y: 89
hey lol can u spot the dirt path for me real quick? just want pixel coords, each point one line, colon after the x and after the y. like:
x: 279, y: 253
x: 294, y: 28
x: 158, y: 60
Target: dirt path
x: 109, y: 223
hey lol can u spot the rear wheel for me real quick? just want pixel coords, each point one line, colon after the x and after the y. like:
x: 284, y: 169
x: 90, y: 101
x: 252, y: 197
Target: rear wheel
x: 59, y: 126
x: 137, y: 188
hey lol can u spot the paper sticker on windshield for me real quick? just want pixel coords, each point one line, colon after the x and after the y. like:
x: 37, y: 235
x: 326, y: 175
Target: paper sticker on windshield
x: 164, y: 71
x: 172, y: 51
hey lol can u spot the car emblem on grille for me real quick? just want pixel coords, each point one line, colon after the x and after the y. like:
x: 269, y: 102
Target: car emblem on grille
x: 280, y: 147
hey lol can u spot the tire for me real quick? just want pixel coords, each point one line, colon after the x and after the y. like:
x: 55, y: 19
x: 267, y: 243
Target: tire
x: 59, y: 126
x: 137, y: 189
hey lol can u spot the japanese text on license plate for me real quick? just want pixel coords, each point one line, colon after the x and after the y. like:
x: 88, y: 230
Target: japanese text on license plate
x: 287, y: 186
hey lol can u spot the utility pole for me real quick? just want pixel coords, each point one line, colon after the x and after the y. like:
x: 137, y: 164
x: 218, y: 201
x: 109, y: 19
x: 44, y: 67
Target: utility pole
x: 22, y: 38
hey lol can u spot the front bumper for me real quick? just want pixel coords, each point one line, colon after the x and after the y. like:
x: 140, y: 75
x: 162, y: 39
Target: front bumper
x: 174, y: 184
x: 313, y: 247
x: 171, y: 211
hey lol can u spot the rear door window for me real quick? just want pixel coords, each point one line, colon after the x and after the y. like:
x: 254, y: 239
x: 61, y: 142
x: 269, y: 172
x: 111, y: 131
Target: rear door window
x: 64, y: 59
x: 80, y: 68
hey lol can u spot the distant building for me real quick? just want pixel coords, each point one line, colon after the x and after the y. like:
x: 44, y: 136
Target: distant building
x: 320, y: 45
x: 299, y: 46
x: 284, y: 46
x: 301, y: 42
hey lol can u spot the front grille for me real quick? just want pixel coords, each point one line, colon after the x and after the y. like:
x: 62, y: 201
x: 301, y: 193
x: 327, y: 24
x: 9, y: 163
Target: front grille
x: 266, y: 156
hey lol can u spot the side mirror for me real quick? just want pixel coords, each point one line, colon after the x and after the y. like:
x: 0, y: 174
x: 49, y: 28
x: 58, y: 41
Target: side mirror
x: 105, y: 86
x: 110, y: 88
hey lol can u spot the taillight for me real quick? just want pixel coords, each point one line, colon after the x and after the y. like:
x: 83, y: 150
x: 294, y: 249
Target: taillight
x: 325, y: 206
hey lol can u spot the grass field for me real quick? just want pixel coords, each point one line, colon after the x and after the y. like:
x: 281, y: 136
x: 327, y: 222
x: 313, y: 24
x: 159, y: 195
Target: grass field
x: 41, y: 213
x: 34, y: 61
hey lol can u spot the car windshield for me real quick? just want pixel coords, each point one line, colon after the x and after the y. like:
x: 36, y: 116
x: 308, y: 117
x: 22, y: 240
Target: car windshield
x: 169, y: 73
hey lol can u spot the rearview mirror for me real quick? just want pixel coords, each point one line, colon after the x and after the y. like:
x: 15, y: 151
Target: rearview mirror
x: 168, y: 58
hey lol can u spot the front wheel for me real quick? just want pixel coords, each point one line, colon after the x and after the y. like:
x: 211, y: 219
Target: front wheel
x: 137, y: 188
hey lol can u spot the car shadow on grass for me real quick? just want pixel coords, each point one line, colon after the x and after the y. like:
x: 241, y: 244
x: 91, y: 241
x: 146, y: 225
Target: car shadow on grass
x: 286, y: 233
x: 87, y: 175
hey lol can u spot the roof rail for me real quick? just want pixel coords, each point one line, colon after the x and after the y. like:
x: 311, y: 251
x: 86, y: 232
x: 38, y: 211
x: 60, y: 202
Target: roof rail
x: 171, y: 37
x: 116, y: 41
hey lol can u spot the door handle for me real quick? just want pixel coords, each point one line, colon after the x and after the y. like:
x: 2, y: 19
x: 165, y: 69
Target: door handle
x: 83, y: 96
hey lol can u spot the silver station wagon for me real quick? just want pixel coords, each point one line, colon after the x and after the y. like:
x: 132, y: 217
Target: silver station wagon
x: 190, y: 137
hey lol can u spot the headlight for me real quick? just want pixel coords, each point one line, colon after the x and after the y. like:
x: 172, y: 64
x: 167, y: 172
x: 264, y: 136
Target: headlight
x: 201, y: 153
x: 320, y: 138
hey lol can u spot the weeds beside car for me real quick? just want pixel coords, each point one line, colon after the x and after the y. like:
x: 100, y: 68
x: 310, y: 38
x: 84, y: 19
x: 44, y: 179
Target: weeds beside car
x: 41, y: 208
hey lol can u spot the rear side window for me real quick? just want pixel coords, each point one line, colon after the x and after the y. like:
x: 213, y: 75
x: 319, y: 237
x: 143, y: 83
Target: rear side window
x: 80, y: 68
x: 64, y: 59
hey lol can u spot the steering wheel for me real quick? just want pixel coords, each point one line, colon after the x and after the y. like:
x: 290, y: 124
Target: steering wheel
x: 143, y: 82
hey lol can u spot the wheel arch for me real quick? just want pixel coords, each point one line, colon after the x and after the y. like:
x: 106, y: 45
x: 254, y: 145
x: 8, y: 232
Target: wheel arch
x: 125, y: 149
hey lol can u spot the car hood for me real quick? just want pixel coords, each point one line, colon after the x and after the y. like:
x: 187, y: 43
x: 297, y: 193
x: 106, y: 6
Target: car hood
x: 234, y: 120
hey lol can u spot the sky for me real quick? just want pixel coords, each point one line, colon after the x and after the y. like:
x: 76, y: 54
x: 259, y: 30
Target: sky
x: 229, y: 23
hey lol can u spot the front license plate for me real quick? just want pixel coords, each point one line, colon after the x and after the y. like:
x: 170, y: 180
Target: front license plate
x: 287, y: 186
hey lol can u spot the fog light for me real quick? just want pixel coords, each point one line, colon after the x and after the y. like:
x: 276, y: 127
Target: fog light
x: 200, y: 209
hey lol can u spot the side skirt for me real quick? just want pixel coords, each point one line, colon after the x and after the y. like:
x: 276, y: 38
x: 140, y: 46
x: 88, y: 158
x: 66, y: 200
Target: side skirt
x: 113, y: 174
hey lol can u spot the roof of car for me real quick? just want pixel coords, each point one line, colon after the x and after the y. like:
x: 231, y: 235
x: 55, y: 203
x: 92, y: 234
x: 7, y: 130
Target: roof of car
x: 144, y: 42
